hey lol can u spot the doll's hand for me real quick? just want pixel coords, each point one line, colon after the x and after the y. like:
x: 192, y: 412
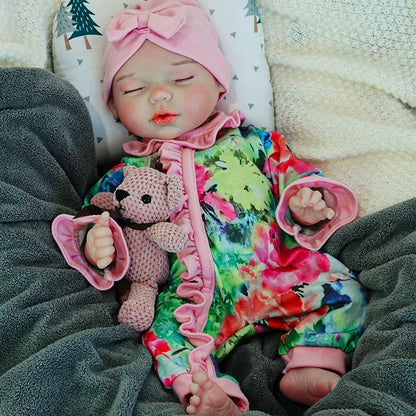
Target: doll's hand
x: 99, y: 248
x: 308, y: 207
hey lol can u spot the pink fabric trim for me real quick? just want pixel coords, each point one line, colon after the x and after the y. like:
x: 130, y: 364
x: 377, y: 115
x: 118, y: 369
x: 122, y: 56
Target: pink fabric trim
x: 233, y: 390
x: 201, y: 138
x: 65, y: 229
x: 199, y: 279
x: 337, y: 196
x: 181, y: 388
x: 332, y: 359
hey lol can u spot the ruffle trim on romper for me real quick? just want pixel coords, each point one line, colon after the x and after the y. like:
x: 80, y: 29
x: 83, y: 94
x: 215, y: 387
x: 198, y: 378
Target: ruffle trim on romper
x: 201, y: 138
x: 199, y: 279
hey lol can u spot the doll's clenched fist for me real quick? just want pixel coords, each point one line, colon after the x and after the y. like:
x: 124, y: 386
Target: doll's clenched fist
x: 308, y: 207
x: 99, y: 248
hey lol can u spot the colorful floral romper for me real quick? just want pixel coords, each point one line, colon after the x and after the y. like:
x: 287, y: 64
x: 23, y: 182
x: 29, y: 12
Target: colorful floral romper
x: 248, y: 267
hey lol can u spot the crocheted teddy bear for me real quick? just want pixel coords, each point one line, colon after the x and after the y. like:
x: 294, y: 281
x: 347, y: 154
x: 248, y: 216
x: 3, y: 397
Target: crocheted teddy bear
x: 144, y: 201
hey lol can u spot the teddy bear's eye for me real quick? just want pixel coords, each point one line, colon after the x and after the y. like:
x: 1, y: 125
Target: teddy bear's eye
x: 146, y: 199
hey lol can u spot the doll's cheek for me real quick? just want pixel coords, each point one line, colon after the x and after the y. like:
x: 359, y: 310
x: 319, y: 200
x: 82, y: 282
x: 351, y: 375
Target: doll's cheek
x: 200, y: 103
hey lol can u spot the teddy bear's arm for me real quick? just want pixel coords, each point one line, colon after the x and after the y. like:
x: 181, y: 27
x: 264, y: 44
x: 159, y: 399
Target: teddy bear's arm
x: 167, y: 236
x: 104, y: 200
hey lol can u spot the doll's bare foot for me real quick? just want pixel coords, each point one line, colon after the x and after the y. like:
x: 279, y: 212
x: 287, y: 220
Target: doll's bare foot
x: 209, y: 398
x: 308, y: 385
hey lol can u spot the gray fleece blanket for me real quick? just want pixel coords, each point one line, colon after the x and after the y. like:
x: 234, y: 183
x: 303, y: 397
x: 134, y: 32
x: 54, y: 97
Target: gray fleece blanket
x: 62, y: 350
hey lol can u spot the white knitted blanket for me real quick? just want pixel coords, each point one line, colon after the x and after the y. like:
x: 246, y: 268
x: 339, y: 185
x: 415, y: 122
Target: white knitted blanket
x: 25, y: 32
x: 344, y: 80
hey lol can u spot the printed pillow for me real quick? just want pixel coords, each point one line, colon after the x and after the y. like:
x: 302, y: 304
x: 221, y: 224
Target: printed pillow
x: 78, y: 46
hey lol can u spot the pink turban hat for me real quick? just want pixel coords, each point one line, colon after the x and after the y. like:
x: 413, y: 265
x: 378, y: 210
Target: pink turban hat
x: 180, y: 27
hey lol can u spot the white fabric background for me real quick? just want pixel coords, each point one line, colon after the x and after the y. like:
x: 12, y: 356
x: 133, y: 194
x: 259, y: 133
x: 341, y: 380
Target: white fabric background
x: 344, y: 78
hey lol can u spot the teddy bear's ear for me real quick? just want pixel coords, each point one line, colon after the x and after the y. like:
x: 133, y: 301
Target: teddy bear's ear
x: 127, y: 170
x: 175, y: 190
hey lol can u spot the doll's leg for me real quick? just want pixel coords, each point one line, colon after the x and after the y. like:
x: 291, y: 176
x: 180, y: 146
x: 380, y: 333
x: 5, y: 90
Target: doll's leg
x: 202, y: 394
x: 208, y: 398
x: 328, y: 312
x: 189, y: 371
x: 317, y: 348
x: 169, y: 348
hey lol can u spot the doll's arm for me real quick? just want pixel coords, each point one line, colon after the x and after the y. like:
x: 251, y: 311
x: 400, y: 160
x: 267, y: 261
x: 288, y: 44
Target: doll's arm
x: 294, y: 183
x: 69, y: 232
x: 338, y: 197
x: 99, y: 247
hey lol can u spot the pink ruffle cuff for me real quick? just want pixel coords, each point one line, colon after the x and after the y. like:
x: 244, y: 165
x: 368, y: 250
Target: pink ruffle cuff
x: 332, y: 359
x: 66, y: 230
x: 337, y: 196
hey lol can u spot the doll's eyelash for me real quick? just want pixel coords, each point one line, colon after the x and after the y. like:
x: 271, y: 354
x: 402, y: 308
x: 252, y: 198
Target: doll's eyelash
x: 184, y: 79
x: 132, y: 90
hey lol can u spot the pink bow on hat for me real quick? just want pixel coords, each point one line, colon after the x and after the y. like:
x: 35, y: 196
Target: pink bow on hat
x: 164, y: 20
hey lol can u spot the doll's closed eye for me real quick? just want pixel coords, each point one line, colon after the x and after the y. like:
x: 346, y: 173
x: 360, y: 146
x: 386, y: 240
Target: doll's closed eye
x: 185, y: 79
x: 138, y: 89
x: 128, y: 84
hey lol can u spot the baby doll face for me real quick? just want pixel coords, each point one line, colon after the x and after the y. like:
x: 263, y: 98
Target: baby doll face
x: 160, y: 94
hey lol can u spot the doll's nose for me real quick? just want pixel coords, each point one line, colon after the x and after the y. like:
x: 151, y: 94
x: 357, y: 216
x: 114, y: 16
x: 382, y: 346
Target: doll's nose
x: 121, y: 194
x: 160, y: 94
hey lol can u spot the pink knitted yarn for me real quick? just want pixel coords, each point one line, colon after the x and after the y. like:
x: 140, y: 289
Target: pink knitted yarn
x: 146, y: 197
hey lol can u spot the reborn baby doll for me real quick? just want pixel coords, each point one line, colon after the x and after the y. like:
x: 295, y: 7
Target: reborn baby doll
x: 254, y: 215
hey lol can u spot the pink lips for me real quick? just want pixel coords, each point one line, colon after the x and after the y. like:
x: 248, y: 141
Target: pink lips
x: 163, y: 117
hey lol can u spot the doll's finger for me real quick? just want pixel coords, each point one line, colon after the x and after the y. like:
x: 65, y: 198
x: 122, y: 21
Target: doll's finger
x: 330, y: 213
x: 105, y: 252
x: 320, y: 205
x: 104, y: 219
x: 305, y: 195
x: 104, y: 242
x: 103, y: 263
x: 101, y: 232
x: 315, y: 198
x: 295, y: 202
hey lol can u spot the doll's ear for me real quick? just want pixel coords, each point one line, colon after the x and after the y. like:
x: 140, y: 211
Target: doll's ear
x: 112, y: 107
x: 175, y: 190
